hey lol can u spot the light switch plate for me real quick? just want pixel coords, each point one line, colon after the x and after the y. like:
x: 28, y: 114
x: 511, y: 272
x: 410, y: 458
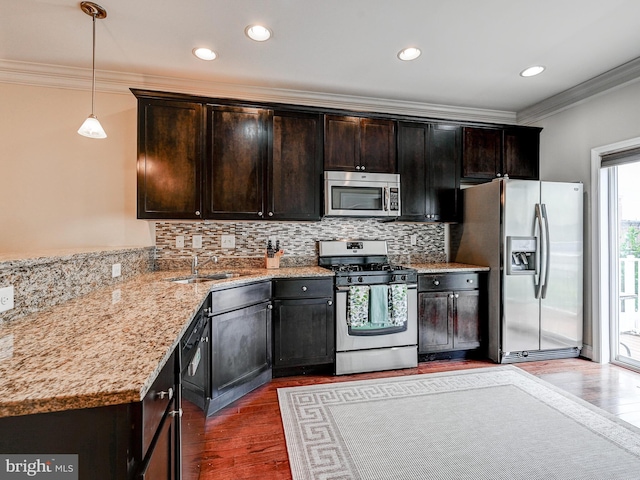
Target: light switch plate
x: 414, y: 239
x: 116, y: 270
x: 180, y: 241
x: 6, y: 298
x: 197, y: 241
x: 228, y: 241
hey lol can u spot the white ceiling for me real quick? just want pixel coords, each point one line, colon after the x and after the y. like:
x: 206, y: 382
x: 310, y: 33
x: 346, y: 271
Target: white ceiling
x: 473, y: 50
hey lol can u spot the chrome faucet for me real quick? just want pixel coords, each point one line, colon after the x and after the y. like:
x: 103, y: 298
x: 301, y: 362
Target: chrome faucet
x: 195, y: 264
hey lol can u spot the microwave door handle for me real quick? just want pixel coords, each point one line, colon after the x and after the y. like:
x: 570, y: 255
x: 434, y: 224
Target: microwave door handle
x: 387, y: 206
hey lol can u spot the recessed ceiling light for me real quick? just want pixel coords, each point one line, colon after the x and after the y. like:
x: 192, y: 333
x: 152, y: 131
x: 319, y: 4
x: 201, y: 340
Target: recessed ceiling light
x: 204, y: 53
x: 258, y: 33
x: 410, y: 53
x: 532, y: 71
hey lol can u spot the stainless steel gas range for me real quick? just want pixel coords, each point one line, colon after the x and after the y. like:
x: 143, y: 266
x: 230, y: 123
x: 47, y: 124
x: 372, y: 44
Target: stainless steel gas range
x: 376, y: 307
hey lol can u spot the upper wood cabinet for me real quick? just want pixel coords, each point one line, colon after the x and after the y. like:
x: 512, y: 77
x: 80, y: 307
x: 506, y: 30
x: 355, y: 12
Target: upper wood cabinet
x: 428, y: 162
x: 294, y: 173
x: 497, y: 152
x: 357, y: 143
x: 169, y: 159
x: 235, y: 162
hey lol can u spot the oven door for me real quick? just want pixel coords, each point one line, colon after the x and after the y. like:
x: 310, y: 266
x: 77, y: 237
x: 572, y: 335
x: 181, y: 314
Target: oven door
x: 352, y: 338
x: 361, y: 199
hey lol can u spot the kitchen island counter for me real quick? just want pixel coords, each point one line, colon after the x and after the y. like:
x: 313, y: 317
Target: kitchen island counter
x: 106, y: 347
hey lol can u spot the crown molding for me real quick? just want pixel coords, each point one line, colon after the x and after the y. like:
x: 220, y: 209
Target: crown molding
x: 55, y: 76
x: 618, y: 77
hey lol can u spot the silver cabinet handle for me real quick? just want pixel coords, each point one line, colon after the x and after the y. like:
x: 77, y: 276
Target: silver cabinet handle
x: 456, y: 295
x: 436, y: 282
x: 174, y: 413
x: 469, y: 280
x: 269, y: 307
x: 168, y: 393
x: 304, y: 289
x: 270, y: 214
x: 259, y: 214
x: 197, y: 212
x: 330, y: 302
x: 361, y: 167
x: 451, y: 295
x: 357, y: 167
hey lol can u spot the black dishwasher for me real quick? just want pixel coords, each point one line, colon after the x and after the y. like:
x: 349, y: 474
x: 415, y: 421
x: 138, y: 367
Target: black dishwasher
x: 194, y: 377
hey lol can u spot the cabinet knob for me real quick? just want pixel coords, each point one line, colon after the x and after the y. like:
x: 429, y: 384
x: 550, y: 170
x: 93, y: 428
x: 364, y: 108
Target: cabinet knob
x: 175, y: 413
x: 357, y: 167
x: 361, y: 167
x: 469, y: 280
x: 330, y: 302
x: 451, y: 295
x: 498, y: 175
x: 270, y: 214
x: 304, y: 289
x: 168, y: 394
x: 269, y: 307
x: 259, y: 214
x: 197, y: 212
x: 456, y: 295
x: 436, y: 282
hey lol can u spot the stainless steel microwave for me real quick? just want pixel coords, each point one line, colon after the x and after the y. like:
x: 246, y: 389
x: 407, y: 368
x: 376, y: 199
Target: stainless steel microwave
x: 359, y: 194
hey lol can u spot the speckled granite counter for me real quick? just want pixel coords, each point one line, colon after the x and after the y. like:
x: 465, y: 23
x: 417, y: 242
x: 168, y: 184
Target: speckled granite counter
x: 447, y: 268
x: 106, y: 347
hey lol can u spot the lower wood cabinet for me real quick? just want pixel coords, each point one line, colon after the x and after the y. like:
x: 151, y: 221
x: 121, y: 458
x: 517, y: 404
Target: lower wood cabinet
x: 240, y: 342
x: 303, y: 325
x: 450, y: 312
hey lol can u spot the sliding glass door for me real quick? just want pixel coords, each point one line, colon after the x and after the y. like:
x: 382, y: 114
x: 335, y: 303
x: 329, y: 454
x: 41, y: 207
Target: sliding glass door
x: 624, y: 262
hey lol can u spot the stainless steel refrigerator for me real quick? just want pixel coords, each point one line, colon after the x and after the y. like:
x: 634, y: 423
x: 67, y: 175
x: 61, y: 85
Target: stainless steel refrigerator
x: 530, y: 234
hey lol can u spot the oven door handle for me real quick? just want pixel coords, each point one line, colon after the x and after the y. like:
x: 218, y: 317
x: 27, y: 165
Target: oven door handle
x: 345, y: 288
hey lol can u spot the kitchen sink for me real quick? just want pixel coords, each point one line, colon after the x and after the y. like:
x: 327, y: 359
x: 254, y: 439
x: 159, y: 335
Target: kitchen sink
x: 203, y: 278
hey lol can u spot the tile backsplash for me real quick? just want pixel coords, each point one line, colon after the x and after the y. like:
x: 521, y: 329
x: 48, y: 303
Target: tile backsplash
x: 297, y: 239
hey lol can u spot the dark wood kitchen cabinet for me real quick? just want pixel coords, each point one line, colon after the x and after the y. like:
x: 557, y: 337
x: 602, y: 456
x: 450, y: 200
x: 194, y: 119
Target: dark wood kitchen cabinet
x: 303, y: 325
x: 169, y: 161
x: 428, y: 162
x: 450, y: 312
x: 263, y: 164
x: 497, y: 152
x: 240, y: 342
x: 359, y: 144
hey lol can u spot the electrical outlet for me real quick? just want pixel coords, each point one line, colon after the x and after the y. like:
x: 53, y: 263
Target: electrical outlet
x: 197, y: 241
x: 116, y: 296
x: 180, y: 241
x: 414, y: 240
x: 228, y: 241
x: 116, y: 270
x: 6, y: 298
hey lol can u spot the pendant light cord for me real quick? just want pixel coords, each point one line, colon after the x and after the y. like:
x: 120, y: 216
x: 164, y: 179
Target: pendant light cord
x: 93, y: 66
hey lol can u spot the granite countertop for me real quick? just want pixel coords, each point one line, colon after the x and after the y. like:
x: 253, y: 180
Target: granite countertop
x: 447, y: 267
x: 107, y: 347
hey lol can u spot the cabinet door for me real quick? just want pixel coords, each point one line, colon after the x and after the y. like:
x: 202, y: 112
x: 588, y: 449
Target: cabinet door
x: 482, y: 150
x: 241, y: 346
x: 522, y: 152
x: 303, y: 332
x: 169, y: 165
x: 377, y: 146
x: 341, y: 143
x: 435, y: 322
x: 161, y: 462
x: 236, y: 156
x: 442, y: 172
x: 295, y: 169
x: 466, y: 324
x: 412, y: 166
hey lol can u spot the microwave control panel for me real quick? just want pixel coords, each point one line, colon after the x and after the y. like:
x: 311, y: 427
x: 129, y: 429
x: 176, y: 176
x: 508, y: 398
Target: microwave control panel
x: 394, y: 199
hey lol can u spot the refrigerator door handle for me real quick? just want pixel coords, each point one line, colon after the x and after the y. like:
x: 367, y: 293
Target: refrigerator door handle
x: 540, y: 263
x: 546, y: 257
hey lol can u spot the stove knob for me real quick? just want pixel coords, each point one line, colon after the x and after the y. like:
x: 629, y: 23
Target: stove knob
x: 404, y: 277
x: 348, y: 279
x: 393, y: 278
x: 360, y: 279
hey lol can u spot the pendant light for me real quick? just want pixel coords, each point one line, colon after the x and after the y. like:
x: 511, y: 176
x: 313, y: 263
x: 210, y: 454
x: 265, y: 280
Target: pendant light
x: 91, y: 127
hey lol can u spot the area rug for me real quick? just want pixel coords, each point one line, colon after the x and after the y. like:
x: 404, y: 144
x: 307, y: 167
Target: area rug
x: 488, y: 423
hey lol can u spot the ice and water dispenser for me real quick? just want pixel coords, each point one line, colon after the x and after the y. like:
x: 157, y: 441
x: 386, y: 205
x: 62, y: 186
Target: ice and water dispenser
x: 521, y: 255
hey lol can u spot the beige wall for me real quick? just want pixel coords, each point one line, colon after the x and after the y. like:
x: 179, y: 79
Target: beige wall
x: 59, y: 189
x: 565, y: 155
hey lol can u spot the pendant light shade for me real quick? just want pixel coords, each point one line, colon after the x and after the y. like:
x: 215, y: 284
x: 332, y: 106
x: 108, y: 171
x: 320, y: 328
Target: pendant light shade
x: 91, y: 127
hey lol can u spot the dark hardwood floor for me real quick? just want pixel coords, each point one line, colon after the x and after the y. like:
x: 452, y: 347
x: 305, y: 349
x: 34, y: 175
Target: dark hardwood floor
x: 246, y: 439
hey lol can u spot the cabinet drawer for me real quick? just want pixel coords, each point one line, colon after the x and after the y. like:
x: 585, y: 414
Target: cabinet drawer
x: 156, y: 401
x: 303, y: 288
x: 238, y: 297
x: 448, y: 281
